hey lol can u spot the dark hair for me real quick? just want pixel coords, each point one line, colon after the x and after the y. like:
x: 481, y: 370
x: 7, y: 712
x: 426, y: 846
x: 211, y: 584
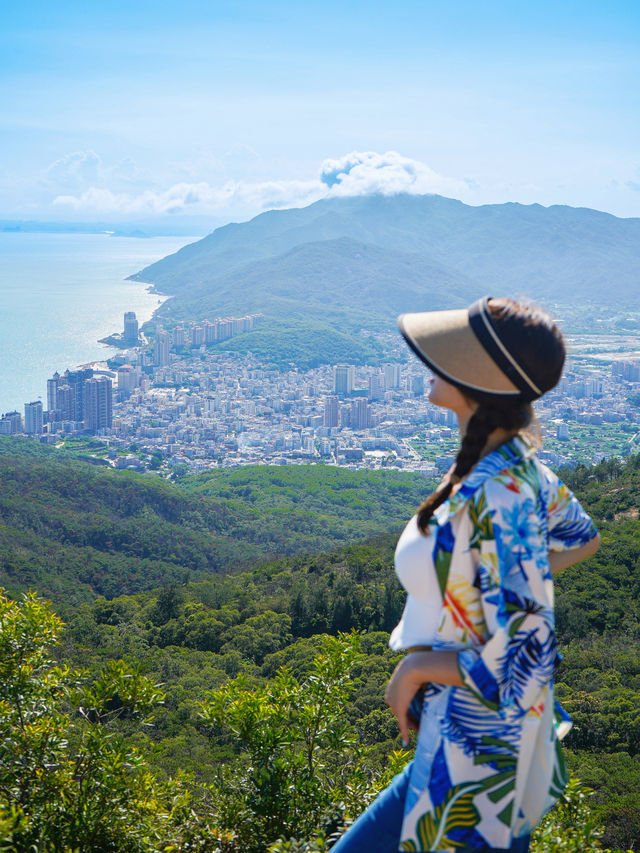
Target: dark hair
x: 541, y: 352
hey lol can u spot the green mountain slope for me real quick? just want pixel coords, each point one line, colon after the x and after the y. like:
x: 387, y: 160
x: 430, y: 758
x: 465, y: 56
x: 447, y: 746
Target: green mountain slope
x: 277, y: 556
x: 341, y: 281
x: 194, y: 636
x: 317, y: 297
x: 556, y: 254
x: 323, y: 273
x: 74, y: 531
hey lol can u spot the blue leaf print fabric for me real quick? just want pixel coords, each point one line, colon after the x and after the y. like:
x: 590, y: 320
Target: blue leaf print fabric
x: 488, y: 761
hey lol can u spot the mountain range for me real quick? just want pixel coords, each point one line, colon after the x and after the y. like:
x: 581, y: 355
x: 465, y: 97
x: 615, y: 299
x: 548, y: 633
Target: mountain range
x: 356, y: 263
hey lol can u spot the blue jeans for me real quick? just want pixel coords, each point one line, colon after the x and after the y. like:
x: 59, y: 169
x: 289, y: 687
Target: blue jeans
x: 378, y: 829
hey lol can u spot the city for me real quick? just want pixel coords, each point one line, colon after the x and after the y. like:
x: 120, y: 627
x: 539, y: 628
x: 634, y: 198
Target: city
x: 177, y: 404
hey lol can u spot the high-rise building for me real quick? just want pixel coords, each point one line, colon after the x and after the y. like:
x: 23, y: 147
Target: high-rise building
x: 331, y: 412
x: 392, y: 375
x: 11, y: 423
x: 629, y: 370
x: 130, y: 334
x: 33, y: 417
x: 376, y: 386
x: 52, y: 391
x: 417, y: 385
x: 64, y: 403
x: 360, y: 414
x: 224, y: 329
x: 127, y: 380
x: 75, y: 379
x: 344, y: 377
x: 594, y: 387
x: 178, y: 337
x: 162, y: 346
x: 197, y: 335
x: 97, y: 401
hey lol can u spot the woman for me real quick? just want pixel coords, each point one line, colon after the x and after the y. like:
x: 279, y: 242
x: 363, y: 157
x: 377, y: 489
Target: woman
x: 478, y: 625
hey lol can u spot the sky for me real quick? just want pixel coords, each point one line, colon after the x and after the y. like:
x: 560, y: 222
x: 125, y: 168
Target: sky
x: 207, y: 112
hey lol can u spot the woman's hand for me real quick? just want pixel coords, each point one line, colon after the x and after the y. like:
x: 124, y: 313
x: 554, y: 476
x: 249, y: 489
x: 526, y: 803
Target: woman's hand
x: 402, y: 687
x: 410, y: 674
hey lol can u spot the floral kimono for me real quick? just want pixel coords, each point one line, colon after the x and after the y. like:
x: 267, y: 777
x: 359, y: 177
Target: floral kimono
x: 488, y: 760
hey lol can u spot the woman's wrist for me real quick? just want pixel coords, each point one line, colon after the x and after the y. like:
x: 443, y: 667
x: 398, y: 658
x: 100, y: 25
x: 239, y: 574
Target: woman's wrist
x: 439, y: 666
x: 414, y: 670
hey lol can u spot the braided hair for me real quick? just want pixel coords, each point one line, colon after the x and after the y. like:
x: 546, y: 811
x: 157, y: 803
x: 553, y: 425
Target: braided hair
x: 543, y: 355
x: 486, y: 418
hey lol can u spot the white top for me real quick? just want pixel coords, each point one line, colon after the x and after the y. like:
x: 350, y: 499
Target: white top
x: 417, y: 574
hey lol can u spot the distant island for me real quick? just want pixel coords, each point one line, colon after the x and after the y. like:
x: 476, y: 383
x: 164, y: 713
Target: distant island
x: 14, y: 226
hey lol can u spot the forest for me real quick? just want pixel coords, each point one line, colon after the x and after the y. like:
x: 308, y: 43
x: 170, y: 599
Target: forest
x: 193, y: 610
x: 73, y: 530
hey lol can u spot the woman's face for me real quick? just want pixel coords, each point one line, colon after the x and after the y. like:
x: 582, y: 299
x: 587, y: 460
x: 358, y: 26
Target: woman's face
x: 447, y: 396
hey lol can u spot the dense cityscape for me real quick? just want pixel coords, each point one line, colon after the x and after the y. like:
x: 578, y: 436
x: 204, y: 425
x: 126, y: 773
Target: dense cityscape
x: 176, y: 402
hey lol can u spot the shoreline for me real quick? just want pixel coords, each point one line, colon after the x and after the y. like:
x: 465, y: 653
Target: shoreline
x: 102, y: 365
x: 151, y: 289
x: 112, y: 340
x: 63, y: 294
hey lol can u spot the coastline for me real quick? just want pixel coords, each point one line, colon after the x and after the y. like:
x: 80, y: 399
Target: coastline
x: 60, y: 294
x: 114, y: 339
x: 152, y: 291
x: 102, y: 366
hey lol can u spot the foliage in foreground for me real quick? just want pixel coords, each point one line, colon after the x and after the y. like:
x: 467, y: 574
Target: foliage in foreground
x: 305, y: 770
x: 68, y: 779
x: 570, y: 827
x: 305, y: 775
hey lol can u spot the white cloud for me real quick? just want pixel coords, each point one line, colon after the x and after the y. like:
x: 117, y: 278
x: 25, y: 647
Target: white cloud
x: 358, y: 173
x: 366, y: 172
x: 196, y: 198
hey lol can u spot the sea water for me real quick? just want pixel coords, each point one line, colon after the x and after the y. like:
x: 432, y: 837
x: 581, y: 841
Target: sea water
x: 60, y: 293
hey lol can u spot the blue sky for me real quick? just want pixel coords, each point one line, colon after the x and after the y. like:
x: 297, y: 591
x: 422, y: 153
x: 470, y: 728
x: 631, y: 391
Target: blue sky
x: 198, y: 111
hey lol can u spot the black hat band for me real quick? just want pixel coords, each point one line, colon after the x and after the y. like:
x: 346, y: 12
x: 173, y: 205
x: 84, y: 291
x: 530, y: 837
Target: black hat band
x: 496, y: 347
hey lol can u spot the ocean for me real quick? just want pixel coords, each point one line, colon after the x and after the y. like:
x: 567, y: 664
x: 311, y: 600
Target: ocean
x: 60, y: 293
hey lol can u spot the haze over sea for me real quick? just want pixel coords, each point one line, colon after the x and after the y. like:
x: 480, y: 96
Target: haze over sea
x: 60, y: 293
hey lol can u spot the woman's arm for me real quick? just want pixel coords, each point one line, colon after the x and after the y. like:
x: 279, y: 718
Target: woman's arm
x: 414, y: 670
x: 559, y: 560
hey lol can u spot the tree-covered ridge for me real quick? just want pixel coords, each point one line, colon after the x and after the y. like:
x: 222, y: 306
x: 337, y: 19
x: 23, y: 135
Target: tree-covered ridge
x: 602, y: 596
x: 305, y: 344
x: 74, y: 531
x: 322, y: 273
x: 265, y: 612
x: 73, y: 777
x: 196, y: 637
x: 360, y: 495
x: 271, y: 614
x: 519, y: 248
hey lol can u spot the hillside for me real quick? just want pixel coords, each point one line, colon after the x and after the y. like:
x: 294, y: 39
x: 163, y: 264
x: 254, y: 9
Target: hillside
x: 74, y: 531
x: 341, y: 281
x: 239, y: 571
x: 557, y: 254
x: 196, y: 635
